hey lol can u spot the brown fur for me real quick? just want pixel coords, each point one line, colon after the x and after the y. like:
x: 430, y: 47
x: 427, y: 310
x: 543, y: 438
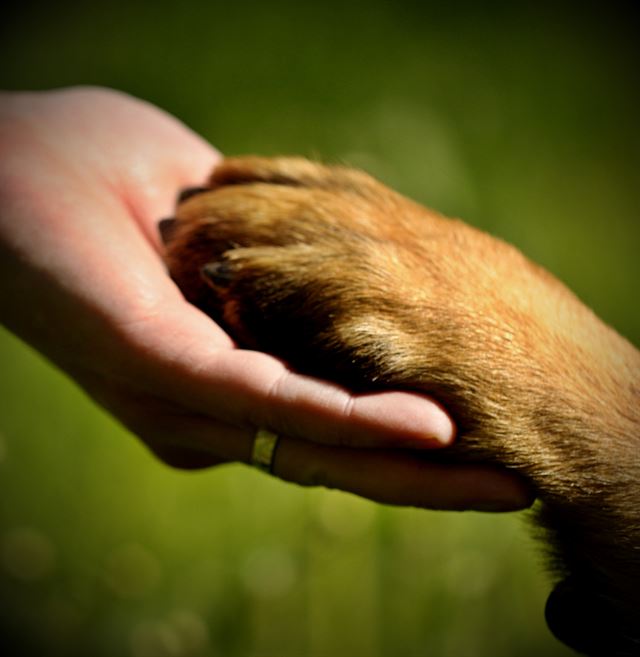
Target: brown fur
x: 346, y: 279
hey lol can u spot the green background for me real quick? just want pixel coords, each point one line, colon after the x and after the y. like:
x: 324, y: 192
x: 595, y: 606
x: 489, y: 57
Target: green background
x: 521, y: 121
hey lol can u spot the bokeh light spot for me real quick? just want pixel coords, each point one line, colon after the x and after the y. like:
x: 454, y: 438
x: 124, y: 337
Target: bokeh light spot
x: 183, y: 633
x: 132, y: 571
x: 155, y: 639
x: 27, y: 553
x: 469, y: 574
x: 192, y: 630
x: 269, y: 572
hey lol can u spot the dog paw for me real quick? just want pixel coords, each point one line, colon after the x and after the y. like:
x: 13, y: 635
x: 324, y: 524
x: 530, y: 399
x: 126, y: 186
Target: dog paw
x: 291, y: 257
x: 347, y: 280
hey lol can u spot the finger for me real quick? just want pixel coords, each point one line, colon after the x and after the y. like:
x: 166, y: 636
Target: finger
x: 400, y: 478
x: 390, y: 477
x: 261, y: 389
x: 180, y: 438
x: 254, y: 389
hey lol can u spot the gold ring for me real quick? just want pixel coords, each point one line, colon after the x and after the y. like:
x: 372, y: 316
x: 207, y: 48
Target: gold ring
x: 264, y: 447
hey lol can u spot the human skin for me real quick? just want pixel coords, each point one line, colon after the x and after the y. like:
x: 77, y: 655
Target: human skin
x: 85, y: 175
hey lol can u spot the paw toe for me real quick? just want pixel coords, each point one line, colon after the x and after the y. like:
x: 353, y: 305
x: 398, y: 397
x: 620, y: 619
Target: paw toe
x: 188, y: 192
x: 166, y: 228
x: 291, y: 171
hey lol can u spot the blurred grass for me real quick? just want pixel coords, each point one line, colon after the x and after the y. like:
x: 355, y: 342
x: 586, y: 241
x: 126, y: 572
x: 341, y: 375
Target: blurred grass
x: 522, y: 121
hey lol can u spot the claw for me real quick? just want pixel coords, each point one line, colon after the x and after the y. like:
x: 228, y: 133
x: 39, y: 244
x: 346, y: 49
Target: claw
x: 188, y: 192
x: 218, y: 274
x: 167, y: 228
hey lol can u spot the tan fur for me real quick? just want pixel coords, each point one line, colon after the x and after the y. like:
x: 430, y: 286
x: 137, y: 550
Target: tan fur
x: 346, y: 279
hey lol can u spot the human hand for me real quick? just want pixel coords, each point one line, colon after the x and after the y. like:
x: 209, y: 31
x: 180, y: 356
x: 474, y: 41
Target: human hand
x: 84, y: 176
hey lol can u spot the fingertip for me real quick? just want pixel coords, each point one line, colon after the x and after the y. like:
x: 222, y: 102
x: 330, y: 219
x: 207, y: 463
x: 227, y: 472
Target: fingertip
x: 505, y: 492
x: 419, y: 422
x: 440, y: 424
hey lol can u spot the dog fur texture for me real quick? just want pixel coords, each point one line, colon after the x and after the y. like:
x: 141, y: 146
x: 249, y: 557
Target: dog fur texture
x: 345, y: 279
